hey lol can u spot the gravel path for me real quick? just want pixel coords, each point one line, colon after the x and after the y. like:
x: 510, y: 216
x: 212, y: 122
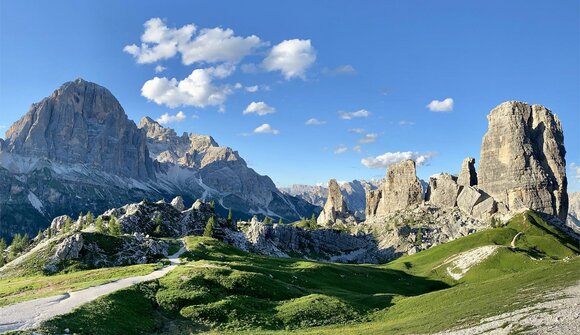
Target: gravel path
x: 30, y: 314
x: 560, y: 315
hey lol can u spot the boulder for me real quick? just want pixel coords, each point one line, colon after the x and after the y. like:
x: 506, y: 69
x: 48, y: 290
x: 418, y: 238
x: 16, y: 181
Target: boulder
x: 442, y: 190
x: 177, y: 203
x: 467, y: 175
x: 522, y: 160
x: 468, y: 198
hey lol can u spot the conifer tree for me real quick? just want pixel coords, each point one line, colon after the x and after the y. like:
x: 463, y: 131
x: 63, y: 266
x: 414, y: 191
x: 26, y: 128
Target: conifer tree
x: 99, y: 226
x: 208, y: 231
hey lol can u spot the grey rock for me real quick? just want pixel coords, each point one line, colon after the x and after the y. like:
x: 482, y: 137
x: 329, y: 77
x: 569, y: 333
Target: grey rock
x: 82, y: 123
x: 400, y: 189
x: 177, y: 203
x: 522, y: 160
x: 467, y: 175
x: 468, y: 198
x: 69, y: 248
x: 442, y: 190
x: 335, y: 209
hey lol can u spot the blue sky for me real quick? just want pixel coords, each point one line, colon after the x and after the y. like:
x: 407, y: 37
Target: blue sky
x: 380, y: 63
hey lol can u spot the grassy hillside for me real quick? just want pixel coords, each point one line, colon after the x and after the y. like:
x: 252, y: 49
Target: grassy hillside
x: 222, y: 289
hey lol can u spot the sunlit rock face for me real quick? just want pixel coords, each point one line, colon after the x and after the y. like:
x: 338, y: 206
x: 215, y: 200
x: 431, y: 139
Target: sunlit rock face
x: 522, y: 161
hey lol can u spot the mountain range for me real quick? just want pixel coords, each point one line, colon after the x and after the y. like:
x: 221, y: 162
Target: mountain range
x: 77, y: 151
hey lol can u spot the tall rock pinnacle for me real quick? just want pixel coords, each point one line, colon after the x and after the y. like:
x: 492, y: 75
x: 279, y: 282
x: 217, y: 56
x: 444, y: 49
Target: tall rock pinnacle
x: 522, y: 160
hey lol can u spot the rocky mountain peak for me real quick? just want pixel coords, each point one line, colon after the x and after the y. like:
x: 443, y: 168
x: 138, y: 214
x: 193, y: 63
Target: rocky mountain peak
x: 82, y: 123
x: 467, y: 175
x: 522, y: 160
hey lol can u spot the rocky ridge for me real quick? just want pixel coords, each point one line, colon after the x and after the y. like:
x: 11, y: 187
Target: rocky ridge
x: 335, y: 210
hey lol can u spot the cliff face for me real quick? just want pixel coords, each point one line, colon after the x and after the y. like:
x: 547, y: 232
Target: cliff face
x: 522, y: 160
x: 400, y: 189
x: 82, y: 123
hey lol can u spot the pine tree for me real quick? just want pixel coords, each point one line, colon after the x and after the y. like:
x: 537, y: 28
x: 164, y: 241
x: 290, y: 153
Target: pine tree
x: 115, y: 228
x: 419, y: 237
x: 49, y: 232
x: 208, y: 231
x: 80, y: 220
x: 67, y: 224
x: 39, y: 235
x: 15, y: 246
x: 212, y: 205
x: 99, y: 227
x: 230, y: 217
x: 312, y: 224
x: 89, y: 219
x: 280, y: 221
x: 158, y: 222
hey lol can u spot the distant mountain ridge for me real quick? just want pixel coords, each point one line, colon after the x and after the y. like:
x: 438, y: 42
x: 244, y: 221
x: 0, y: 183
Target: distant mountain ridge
x: 76, y: 150
x: 353, y: 192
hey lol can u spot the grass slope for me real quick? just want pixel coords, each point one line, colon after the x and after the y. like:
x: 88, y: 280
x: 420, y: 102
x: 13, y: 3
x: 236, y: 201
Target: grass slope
x: 222, y: 289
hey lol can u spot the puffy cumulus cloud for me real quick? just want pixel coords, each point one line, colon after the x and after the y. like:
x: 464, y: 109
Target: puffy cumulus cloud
x: 441, y: 105
x: 351, y: 115
x: 196, y: 90
x: 159, y: 42
x: 314, y: 122
x: 357, y: 148
x: 339, y: 70
x: 291, y: 57
x: 266, y: 129
x: 166, y: 118
x: 218, y: 45
x: 260, y: 108
x: 388, y: 158
x: 368, y: 138
x: 160, y: 68
x: 341, y: 149
x: 213, y: 45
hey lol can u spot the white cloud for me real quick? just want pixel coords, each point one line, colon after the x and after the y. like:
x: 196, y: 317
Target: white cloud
x: 213, y: 45
x: 252, y: 89
x: 159, y: 68
x: 441, y: 106
x: 314, y: 122
x: 166, y: 118
x: 159, y: 42
x: 218, y: 45
x: 196, y: 90
x: 357, y: 148
x: 291, y: 57
x: 388, y: 158
x: 260, y: 108
x: 266, y: 129
x: 575, y: 171
x: 356, y: 130
x: 339, y: 70
x: 341, y: 149
x: 351, y: 115
x: 406, y: 123
x: 369, y: 138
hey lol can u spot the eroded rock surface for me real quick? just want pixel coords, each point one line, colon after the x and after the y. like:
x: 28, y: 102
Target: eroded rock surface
x: 335, y: 209
x: 399, y: 189
x: 522, y: 160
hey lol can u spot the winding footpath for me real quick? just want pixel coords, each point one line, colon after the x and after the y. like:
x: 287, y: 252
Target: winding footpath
x: 30, y: 314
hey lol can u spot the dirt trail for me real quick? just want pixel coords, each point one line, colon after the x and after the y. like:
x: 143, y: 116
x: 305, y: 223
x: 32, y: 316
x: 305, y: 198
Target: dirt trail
x: 513, y: 244
x: 30, y: 314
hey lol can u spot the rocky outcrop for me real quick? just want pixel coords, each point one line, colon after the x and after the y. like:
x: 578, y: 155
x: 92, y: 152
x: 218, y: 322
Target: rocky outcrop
x: 400, y: 189
x: 442, y: 190
x: 573, y: 220
x: 467, y: 175
x: 177, y: 203
x: 335, y: 210
x: 82, y: 123
x: 522, y: 160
